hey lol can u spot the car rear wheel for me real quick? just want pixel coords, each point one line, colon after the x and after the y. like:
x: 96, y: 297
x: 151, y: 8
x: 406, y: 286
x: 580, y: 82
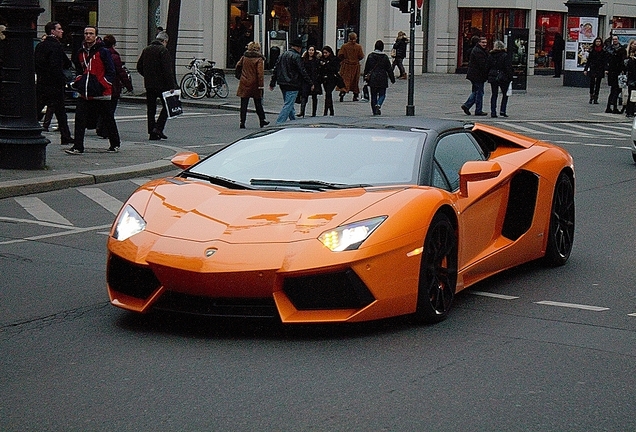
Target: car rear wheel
x: 438, y: 271
x: 561, y: 231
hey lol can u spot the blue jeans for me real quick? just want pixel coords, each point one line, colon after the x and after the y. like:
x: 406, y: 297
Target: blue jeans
x: 476, y: 97
x: 378, y: 94
x: 288, y: 111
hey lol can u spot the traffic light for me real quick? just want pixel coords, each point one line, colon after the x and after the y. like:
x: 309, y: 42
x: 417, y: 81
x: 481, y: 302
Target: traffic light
x: 403, y: 5
x: 254, y: 7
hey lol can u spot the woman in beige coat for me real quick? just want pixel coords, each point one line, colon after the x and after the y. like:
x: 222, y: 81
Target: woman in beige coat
x: 251, y: 83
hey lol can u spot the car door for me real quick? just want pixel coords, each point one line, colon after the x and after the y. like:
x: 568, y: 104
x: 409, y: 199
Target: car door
x: 481, y: 212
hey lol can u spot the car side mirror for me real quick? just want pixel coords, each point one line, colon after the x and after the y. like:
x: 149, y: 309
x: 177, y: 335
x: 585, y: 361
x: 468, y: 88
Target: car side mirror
x: 185, y: 160
x: 475, y: 171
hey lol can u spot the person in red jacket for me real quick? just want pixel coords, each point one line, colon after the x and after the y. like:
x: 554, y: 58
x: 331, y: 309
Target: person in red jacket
x: 95, y: 87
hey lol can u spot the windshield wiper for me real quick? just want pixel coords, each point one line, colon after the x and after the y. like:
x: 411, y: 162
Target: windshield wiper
x: 220, y: 181
x: 304, y: 184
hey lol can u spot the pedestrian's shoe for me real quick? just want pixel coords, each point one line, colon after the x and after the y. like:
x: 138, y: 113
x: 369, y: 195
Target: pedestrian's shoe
x: 481, y: 114
x: 595, y: 102
x: 466, y: 110
x: 154, y: 137
x: 114, y: 149
x: 242, y: 126
x: 66, y: 141
x: 264, y: 123
x: 503, y: 114
x: 403, y: 76
x: 342, y: 95
x: 73, y: 151
x: 591, y: 99
x: 493, y: 115
x: 377, y: 110
x: 355, y: 98
x: 616, y: 111
x: 608, y: 110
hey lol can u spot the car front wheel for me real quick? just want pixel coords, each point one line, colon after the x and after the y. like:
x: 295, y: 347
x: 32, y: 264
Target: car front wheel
x: 438, y: 271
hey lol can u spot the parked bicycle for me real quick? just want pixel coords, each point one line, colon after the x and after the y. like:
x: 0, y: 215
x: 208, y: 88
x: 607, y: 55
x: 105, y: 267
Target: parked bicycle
x: 204, y: 80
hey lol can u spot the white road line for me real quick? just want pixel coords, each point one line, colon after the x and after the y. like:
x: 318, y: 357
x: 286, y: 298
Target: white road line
x: 40, y: 210
x: 103, y: 199
x: 622, y: 127
x: 573, y: 305
x: 561, y: 129
x: 524, y: 129
x: 59, y: 234
x: 604, y: 130
x: 487, y: 294
x: 633, y: 314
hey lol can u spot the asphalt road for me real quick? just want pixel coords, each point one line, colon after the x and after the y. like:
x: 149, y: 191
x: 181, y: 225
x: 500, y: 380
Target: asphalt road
x: 532, y: 349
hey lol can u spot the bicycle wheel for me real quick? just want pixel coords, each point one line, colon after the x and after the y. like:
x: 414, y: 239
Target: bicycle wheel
x: 193, y: 87
x: 220, y: 86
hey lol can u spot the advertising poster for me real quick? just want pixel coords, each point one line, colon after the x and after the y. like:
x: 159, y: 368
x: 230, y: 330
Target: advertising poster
x: 581, y: 32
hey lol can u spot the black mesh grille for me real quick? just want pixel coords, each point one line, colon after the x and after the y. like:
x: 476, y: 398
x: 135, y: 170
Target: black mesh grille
x: 253, y: 308
x: 343, y: 290
x: 131, y: 279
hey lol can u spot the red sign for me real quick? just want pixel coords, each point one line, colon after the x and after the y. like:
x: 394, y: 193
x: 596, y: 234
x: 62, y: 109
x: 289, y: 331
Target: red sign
x: 420, y: 3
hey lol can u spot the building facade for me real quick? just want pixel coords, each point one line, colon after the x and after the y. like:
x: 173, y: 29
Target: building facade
x: 219, y: 29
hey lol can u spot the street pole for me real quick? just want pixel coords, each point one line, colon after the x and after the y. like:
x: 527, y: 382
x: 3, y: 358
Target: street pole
x: 410, y: 108
x: 22, y: 145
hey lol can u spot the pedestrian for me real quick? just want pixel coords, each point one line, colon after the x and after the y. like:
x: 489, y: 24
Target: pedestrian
x: 477, y: 75
x: 311, y: 62
x: 251, y: 82
x: 94, y: 62
x: 399, y: 53
x: 290, y: 74
x: 595, y: 68
x: 350, y: 55
x: 557, y: 54
x: 377, y: 72
x: 330, y: 75
x: 616, y: 54
x: 630, y: 68
x: 122, y: 79
x: 500, y: 74
x: 50, y: 63
x: 155, y: 65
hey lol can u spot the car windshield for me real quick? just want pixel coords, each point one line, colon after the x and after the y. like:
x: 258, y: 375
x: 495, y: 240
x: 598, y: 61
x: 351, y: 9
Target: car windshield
x: 319, y: 158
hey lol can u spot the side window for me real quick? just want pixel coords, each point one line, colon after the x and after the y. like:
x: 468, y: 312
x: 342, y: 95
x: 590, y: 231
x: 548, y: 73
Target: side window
x: 451, y: 152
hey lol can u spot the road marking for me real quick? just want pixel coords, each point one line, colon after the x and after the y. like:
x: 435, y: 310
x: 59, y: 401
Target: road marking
x: 622, y: 127
x: 40, y: 210
x: 140, y: 181
x: 110, y: 203
x: 59, y: 234
x: 634, y: 314
x: 498, y: 296
x: 604, y: 131
x: 561, y: 129
x: 573, y: 305
x: 524, y: 129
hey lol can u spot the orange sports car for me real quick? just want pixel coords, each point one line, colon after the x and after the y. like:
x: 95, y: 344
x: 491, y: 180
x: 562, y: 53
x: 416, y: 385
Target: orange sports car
x: 342, y: 221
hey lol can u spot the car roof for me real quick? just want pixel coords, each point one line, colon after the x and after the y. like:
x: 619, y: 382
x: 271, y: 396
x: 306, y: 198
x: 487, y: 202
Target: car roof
x: 401, y: 123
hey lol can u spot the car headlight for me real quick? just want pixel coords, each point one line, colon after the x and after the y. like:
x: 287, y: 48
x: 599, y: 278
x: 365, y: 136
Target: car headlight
x: 350, y: 236
x: 128, y: 224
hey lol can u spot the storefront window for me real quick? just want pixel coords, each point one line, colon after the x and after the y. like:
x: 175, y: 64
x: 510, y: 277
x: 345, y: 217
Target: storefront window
x: 622, y: 22
x: 240, y: 31
x: 491, y: 23
x: 347, y: 21
x: 548, y: 25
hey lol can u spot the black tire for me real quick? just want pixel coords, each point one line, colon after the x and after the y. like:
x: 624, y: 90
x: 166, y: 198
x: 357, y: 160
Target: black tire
x: 221, y: 89
x: 561, y: 231
x: 193, y: 87
x: 438, y: 271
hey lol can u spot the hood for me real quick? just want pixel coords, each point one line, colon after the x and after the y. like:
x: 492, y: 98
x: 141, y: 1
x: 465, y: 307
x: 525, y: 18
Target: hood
x: 197, y: 211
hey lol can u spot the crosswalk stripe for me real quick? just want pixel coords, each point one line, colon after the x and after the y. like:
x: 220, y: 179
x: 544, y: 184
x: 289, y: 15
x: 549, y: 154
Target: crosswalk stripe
x: 105, y: 200
x: 524, y: 129
x: 561, y: 129
x: 623, y: 127
x: 40, y: 210
x: 604, y: 130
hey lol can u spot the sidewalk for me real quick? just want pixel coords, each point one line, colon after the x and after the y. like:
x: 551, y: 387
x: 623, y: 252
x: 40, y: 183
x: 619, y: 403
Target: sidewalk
x: 435, y: 95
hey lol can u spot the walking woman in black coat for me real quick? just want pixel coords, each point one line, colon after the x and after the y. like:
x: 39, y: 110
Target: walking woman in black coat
x: 328, y: 72
x: 500, y: 74
x: 595, y: 68
x: 378, y: 69
x: 311, y: 61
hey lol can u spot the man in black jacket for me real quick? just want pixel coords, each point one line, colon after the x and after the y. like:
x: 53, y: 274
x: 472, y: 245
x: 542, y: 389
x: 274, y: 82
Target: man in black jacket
x: 50, y: 63
x: 478, y: 75
x: 155, y: 65
x: 289, y: 73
